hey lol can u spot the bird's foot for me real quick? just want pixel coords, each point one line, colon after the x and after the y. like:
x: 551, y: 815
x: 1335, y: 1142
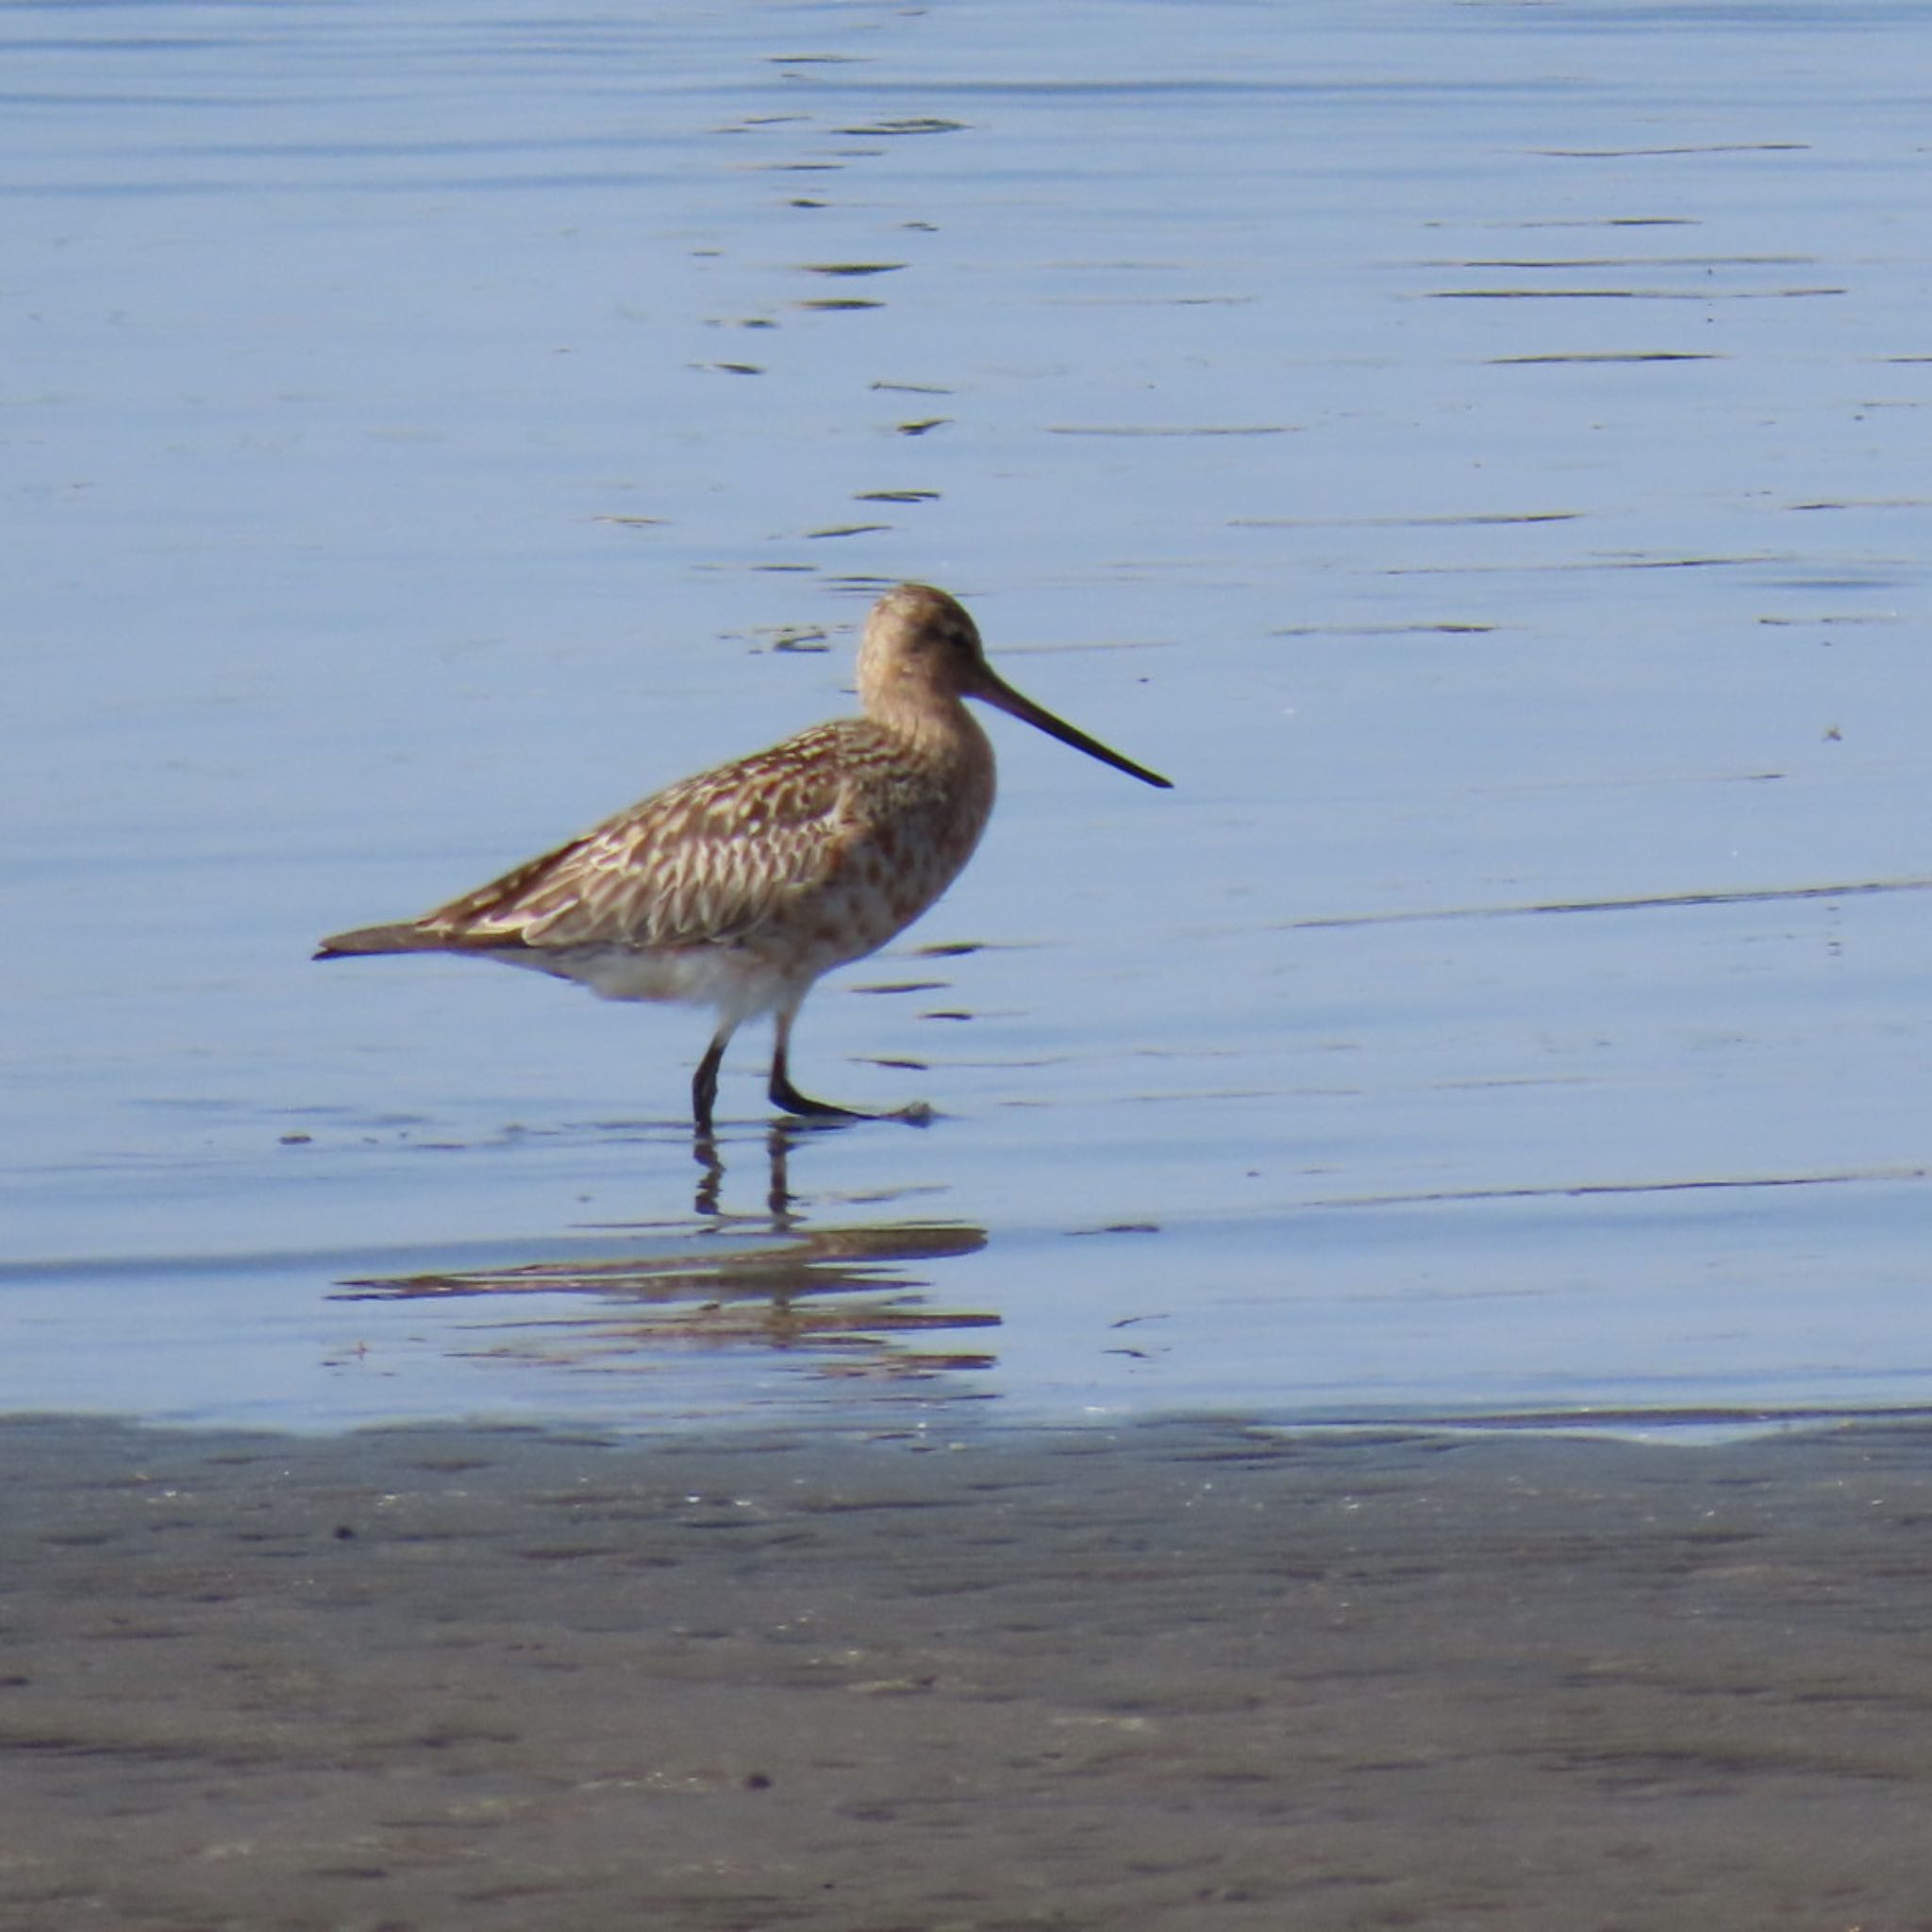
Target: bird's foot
x: 784, y: 1094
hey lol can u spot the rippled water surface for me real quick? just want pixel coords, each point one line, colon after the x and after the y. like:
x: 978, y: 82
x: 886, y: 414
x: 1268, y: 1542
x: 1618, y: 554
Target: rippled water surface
x: 1479, y: 450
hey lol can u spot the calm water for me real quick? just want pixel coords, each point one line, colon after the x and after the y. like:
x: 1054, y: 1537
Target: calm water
x: 1481, y: 451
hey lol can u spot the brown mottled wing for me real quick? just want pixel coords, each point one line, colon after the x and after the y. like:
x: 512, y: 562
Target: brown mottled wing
x: 704, y: 860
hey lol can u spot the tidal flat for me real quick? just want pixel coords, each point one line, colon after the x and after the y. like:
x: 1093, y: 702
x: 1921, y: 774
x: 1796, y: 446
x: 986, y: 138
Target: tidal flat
x: 1165, y: 1676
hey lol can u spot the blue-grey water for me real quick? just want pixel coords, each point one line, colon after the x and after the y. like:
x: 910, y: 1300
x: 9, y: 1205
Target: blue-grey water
x: 1481, y: 451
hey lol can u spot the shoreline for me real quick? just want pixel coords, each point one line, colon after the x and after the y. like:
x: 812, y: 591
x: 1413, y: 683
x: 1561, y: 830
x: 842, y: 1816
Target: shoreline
x: 1164, y: 1675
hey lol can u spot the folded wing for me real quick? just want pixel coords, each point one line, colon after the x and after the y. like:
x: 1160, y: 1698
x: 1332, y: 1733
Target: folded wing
x: 702, y: 862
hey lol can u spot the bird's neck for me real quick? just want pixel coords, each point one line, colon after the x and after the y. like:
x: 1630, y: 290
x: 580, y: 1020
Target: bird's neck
x: 935, y: 723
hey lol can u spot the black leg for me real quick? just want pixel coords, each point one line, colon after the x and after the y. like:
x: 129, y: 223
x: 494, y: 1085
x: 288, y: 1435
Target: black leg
x: 704, y: 1083
x: 786, y: 1095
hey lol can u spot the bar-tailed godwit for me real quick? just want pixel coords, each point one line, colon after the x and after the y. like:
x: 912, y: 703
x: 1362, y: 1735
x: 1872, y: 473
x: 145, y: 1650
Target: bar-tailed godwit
x: 742, y: 887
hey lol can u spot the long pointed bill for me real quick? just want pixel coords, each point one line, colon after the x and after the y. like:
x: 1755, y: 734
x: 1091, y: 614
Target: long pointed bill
x: 995, y: 690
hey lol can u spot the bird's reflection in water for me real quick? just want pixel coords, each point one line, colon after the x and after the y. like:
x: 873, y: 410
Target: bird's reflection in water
x: 847, y: 1292
x: 779, y: 1137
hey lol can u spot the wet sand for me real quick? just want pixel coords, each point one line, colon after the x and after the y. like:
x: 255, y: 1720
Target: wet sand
x: 1169, y: 1676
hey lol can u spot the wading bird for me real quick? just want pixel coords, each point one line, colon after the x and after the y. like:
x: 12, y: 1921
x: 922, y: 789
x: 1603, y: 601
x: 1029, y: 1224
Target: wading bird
x: 742, y: 887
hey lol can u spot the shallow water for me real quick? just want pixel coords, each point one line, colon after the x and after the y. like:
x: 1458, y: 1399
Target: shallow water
x: 1479, y: 451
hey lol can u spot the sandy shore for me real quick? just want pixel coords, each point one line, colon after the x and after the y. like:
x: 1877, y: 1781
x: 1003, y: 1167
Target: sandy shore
x: 1179, y: 1676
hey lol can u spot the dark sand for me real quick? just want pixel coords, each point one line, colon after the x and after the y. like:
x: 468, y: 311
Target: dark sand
x: 1179, y: 1676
